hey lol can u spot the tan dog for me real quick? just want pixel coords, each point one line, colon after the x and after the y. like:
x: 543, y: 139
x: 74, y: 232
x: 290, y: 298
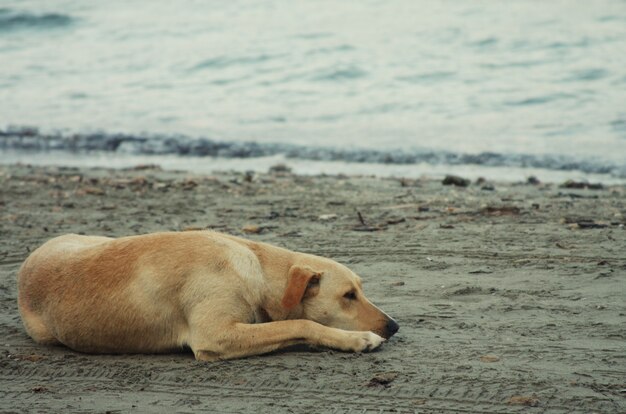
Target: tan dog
x: 223, y: 296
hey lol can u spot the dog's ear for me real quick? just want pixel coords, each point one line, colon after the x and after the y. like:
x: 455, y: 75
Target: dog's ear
x: 301, y: 282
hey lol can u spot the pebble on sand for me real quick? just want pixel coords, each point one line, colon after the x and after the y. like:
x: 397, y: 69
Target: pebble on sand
x: 523, y: 400
x: 252, y: 229
x: 456, y: 181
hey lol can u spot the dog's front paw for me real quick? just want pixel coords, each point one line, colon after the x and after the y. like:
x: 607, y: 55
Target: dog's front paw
x: 365, y: 341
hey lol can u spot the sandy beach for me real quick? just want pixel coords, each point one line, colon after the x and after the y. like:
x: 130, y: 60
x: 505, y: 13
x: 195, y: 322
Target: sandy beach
x: 510, y: 297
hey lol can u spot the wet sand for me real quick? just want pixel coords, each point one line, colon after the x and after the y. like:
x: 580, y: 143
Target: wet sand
x: 509, y: 300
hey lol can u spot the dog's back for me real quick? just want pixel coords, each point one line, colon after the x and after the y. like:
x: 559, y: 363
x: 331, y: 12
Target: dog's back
x: 98, y: 294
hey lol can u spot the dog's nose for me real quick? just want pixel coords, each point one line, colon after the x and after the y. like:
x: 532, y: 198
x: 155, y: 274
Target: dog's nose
x: 391, y: 328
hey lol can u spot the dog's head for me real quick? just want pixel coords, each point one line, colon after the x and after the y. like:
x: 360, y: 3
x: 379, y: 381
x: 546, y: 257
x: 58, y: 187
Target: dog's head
x: 331, y: 294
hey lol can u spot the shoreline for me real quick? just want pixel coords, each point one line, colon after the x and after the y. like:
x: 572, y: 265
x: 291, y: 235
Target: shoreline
x: 210, y: 165
x: 509, y: 299
x: 312, y: 157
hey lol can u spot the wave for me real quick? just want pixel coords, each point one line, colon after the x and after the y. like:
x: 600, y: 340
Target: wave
x: 341, y: 74
x: 13, y: 19
x: 31, y: 139
x: 223, y: 62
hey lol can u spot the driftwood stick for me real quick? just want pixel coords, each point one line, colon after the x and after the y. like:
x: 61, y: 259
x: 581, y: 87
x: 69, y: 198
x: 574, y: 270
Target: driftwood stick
x: 361, y: 219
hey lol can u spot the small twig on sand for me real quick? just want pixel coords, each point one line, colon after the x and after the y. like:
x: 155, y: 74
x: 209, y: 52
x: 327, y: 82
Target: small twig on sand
x: 361, y: 219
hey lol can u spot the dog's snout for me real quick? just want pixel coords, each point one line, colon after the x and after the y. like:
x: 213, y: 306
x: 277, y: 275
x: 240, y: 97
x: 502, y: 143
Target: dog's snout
x: 391, y: 328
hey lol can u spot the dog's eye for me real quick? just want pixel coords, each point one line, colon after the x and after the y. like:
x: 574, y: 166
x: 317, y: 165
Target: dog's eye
x: 350, y: 295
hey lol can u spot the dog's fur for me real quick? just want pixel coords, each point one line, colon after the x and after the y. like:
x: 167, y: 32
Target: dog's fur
x: 223, y: 296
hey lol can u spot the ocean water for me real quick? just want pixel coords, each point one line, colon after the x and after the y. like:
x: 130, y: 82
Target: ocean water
x: 496, y: 84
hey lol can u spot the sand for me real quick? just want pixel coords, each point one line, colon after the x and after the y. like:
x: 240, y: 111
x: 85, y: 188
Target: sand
x: 509, y: 300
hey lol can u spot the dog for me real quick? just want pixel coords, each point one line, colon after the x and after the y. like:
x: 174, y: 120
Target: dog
x: 223, y: 296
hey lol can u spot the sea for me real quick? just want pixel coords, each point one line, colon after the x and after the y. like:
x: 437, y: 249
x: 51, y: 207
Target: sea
x: 498, y: 89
